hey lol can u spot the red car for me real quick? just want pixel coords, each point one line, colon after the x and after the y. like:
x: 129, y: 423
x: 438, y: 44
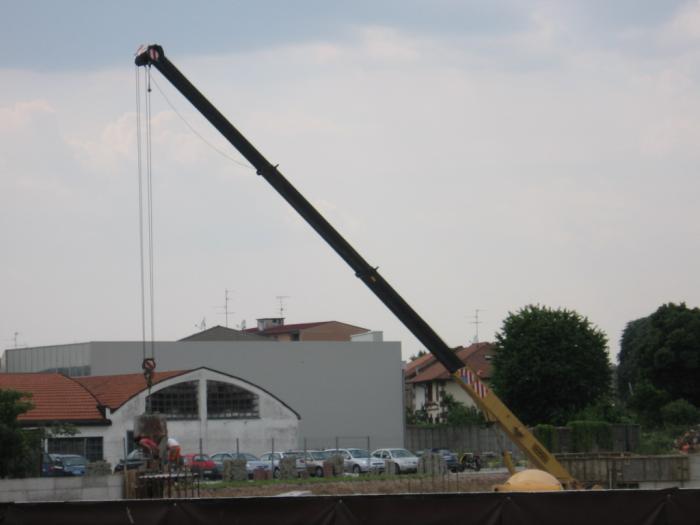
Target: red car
x: 200, y: 464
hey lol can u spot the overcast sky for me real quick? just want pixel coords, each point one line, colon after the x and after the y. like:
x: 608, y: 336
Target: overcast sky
x: 485, y: 155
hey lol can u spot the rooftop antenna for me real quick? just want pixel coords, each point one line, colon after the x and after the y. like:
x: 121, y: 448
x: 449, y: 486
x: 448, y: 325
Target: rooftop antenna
x: 282, y: 299
x: 226, y: 305
x: 15, y: 338
x: 476, y: 323
x: 202, y: 325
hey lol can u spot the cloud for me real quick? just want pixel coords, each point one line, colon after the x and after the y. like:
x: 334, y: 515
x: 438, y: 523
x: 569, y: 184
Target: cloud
x: 478, y: 170
x: 685, y: 25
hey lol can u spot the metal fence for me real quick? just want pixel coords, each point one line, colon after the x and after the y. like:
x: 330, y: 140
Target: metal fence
x: 491, y: 440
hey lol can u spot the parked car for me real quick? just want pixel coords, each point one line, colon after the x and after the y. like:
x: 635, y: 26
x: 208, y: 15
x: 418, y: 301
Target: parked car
x: 253, y: 463
x: 314, y: 461
x: 200, y: 464
x: 274, y: 458
x: 135, y: 459
x: 404, y: 460
x: 357, y: 460
x: 451, y: 459
x: 63, y: 465
x: 471, y: 461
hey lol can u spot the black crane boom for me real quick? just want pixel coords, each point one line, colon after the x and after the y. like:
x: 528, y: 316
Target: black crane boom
x: 154, y: 55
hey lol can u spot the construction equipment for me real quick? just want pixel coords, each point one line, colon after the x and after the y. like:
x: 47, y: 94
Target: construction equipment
x: 466, y: 378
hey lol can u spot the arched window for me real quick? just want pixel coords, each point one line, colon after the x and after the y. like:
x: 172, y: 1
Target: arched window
x: 176, y: 402
x: 226, y: 401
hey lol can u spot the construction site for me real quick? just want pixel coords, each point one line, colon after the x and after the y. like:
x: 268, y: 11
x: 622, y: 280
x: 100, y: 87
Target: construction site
x: 526, y: 483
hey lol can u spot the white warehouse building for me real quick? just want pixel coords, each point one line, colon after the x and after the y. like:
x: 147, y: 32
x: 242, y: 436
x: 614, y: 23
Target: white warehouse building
x: 205, y: 409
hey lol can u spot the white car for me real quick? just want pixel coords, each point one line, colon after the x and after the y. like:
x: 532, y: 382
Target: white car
x: 357, y: 460
x: 404, y: 460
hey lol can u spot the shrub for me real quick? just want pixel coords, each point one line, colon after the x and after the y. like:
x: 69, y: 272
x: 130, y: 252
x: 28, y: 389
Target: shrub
x: 548, y: 435
x: 679, y: 413
x: 590, y: 436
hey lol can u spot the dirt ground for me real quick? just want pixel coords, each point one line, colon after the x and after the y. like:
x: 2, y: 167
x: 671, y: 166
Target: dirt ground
x: 463, y: 482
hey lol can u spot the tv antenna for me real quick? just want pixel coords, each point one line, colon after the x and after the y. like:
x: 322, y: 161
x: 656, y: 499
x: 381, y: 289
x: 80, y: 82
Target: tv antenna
x: 226, y: 300
x: 476, y: 323
x: 283, y: 303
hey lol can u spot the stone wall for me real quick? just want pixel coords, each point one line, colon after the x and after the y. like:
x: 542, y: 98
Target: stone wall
x: 81, y: 488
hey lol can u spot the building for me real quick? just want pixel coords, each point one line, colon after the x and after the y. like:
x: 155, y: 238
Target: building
x: 274, y: 327
x: 223, y: 333
x: 206, y: 410
x: 427, y: 381
x: 350, y: 390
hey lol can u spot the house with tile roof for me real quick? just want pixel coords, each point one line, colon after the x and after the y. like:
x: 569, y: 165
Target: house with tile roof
x: 426, y: 381
x: 204, y: 408
x: 274, y: 328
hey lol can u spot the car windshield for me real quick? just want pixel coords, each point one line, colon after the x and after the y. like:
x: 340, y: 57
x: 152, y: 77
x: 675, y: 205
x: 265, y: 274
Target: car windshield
x: 318, y: 455
x: 73, y: 461
x: 247, y: 457
x: 358, y: 452
x: 202, y: 457
x: 401, y: 453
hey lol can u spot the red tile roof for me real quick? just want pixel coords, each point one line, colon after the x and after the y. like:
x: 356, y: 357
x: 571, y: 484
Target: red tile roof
x: 55, y: 398
x: 114, y: 390
x: 474, y: 356
x: 76, y: 399
x: 286, y: 328
x: 419, y: 364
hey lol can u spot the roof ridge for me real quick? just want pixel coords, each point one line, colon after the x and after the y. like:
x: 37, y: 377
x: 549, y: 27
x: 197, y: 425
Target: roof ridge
x: 92, y: 395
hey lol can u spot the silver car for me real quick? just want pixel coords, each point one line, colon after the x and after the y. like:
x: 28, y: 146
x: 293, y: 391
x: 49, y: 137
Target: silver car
x: 252, y: 462
x: 314, y: 461
x: 404, y: 460
x: 357, y: 460
x: 274, y: 458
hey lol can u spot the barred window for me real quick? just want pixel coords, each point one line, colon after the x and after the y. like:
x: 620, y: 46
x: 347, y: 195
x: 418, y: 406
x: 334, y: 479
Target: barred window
x: 179, y: 401
x: 88, y: 447
x: 226, y: 401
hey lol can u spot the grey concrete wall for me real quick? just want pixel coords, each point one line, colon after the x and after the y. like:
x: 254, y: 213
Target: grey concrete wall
x: 62, y: 489
x: 340, y: 389
x: 40, y: 358
x: 465, y: 438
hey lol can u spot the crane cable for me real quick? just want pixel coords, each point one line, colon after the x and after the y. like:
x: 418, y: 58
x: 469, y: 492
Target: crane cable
x: 148, y: 363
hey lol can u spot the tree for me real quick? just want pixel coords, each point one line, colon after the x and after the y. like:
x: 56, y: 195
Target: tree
x: 661, y: 351
x: 550, y: 364
x: 420, y: 353
x: 14, y: 442
x: 457, y: 413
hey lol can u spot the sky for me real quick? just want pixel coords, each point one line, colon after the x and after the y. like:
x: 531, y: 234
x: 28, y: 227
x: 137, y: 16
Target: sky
x: 485, y: 155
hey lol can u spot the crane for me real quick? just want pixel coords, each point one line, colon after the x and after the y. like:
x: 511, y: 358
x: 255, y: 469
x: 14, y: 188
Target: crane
x: 485, y: 399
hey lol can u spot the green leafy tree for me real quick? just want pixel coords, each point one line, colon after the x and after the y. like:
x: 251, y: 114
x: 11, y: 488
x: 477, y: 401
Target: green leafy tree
x: 550, y: 364
x: 661, y: 351
x: 680, y: 413
x: 15, y: 443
